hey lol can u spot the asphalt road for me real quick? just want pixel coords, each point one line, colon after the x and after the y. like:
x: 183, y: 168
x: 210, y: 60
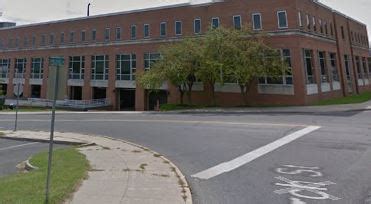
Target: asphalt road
x: 254, y: 158
x: 14, y: 152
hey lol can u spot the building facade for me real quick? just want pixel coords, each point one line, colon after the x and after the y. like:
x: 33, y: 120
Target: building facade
x: 328, y: 52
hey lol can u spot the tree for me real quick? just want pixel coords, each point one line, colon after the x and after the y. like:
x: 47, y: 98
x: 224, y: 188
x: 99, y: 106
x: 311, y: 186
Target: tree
x: 178, y: 64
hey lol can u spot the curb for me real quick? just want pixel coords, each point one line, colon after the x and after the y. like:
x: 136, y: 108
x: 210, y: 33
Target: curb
x: 44, y: 141
x: 187, y: 195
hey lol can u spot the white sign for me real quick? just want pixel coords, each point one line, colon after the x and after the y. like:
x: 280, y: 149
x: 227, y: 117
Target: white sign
x: 15, y: 90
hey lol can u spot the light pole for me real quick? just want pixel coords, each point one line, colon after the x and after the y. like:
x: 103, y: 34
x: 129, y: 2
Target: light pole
x: 17, y: 103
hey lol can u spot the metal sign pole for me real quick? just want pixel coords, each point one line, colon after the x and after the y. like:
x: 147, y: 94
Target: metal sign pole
x: 17, y: 104
x: 52, y: 135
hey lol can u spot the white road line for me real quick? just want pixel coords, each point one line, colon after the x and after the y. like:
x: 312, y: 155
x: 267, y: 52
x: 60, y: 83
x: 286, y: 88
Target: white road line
x: 251, y: 156
x: 16, y: 146
x: 167, y: 121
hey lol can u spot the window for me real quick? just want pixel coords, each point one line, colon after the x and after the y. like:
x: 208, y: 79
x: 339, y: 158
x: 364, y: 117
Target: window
x: 4, y: 68
x: 369, y: 67
x: 118, y: 33
x: 62, y: 38
x: 146, y: 31
x: 323, y: 66
x: 107, y: 33
x: 37, y: 66
x: 197, y: 26
x: 215, y: 22
x: 33, y: 41
x: 308, y: 22
x: 133, y: 32
x: 320, y: 26
x: 331, y: 30
x: 326, y: 27
x: 347, y: 66
x: 126, y: 65
x: 25, y: 42
x: 178, y: 28
x: 358, y: 66
x: 83, y: 36
x: 300, y: 20
x: 51, y: 39
x: 72, y: 37
x: 282, y: 19
x: 76, y: 67
x: 149, y: 59
x: 93, y: 35
x: 364, y: 65
x: 20, y: 67
x: 17, y: 42
x: 308, y: 64
x: 257, y: 21
x: 163, y: 29
x: 100, y: 67
x: 237, y: 22
x: 334, y: 69
x: 286, y: 78
x: 314, y: 24
x: 43, y: 40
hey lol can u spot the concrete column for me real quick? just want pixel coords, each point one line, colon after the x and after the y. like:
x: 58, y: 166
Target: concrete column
x: 86, y: 89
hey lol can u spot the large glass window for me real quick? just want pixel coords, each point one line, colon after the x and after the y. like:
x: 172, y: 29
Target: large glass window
x: 323, y: 67
x: 364, y: 65
x: 76, y: 67
x: 347, y: 67
x: 100, y: 67
x: 215, y: 22
x: 334, y: 69
x: 20, y: 67
x: 358, y: 66
x: 146, y: 31
x: 308, y: 64
x: 126, y: 65
x: 257, y: 21
x: 37, y: 68
x: 150, y: 58
x: 282, y: 19
x: 286, y: 78
x: 237, y: 22
x: 4, y: 68
x: 178, y: 28
x: 197, y: 26
x: 163, y: 29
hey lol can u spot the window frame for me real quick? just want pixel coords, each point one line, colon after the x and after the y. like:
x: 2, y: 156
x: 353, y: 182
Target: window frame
x: 144, y: 30
x: 260, y: 21
x: 212, y: 22
x: 194, y: 26
x: 234, y: 23
x: 286, y: 19
x: 163, y: 23
x: 181, y: 28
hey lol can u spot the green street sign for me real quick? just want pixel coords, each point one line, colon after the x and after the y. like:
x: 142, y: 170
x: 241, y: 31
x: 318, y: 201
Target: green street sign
x: 56, y: 61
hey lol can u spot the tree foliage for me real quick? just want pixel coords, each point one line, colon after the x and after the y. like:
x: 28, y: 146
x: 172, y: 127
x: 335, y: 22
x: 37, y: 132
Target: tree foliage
x: 221, y: 55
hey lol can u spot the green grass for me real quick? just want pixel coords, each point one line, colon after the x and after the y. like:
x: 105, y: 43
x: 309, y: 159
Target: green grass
x: 68, y: 170
x: 171, y: 107
x: 364, y: 97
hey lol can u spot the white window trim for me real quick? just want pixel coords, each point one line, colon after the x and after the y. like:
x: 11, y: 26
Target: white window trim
x: 109, y: 34
x: 136, y: 32
x: 95, y: 31
x: 300, y: 19
x: 181, y: 28
x: 278, y: 19
x: 82, y: 31
x: 240, y: 20
x: 118, y: 28
x: 212, y: 20
x: 149, y: 30
x: 194, y: 25
x: 260, y: 19
x: 165, y: 28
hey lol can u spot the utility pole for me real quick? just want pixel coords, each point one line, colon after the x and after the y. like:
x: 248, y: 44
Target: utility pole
x: 17, y: 104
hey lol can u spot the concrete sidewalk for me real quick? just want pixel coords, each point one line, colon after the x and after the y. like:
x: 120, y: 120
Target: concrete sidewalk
x: 121, y: 172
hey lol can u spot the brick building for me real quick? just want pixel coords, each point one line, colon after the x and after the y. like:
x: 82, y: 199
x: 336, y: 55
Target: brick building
x: 327, y: 50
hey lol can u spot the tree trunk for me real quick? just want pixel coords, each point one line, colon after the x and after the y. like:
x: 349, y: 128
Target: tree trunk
x: 212, y: 87
x: 181, y: 95
x: 244, y: 94
x: 189, y: 93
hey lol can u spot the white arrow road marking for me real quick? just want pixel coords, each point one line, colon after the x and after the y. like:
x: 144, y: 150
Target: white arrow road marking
x: 251, y: 156
x: 16, y: 146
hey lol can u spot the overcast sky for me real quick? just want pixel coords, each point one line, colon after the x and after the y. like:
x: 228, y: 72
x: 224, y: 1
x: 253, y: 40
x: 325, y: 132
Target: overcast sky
x: 31, y: 11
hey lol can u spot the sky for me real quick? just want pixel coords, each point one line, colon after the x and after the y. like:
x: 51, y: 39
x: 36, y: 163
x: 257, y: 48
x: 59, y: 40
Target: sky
x: 32, y: 11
